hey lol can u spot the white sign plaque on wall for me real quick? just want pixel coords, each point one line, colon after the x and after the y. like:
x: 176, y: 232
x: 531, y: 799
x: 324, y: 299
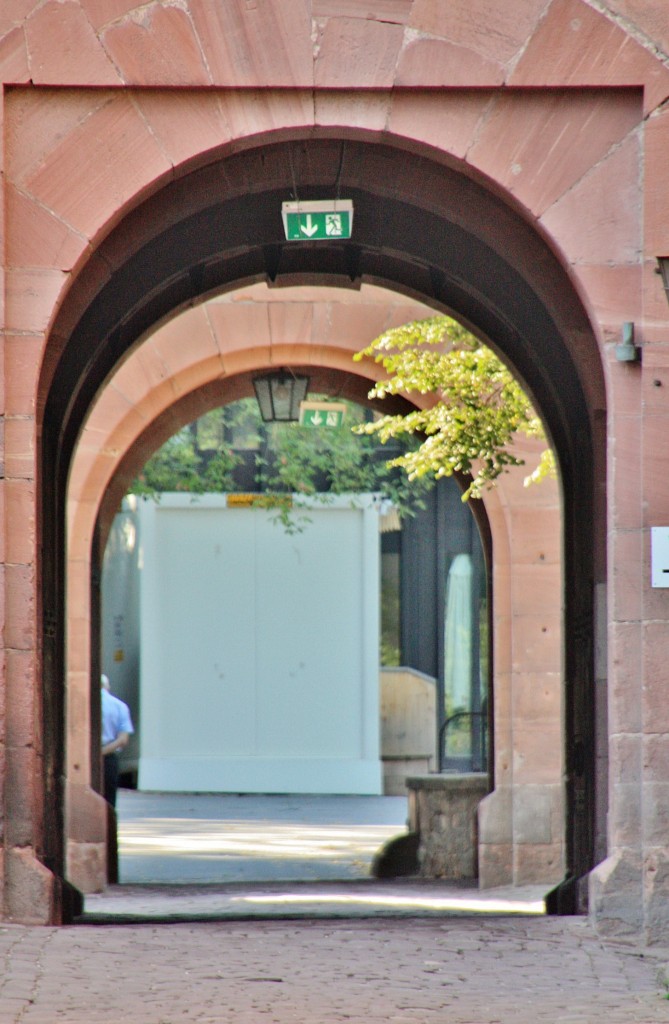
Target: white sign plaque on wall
x: 659, y: 556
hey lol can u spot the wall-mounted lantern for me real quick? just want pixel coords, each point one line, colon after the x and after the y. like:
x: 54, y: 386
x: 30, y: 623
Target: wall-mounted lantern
x: 279, y: 395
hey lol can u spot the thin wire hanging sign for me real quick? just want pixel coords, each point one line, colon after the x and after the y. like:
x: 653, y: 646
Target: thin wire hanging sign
x: 317, y: 219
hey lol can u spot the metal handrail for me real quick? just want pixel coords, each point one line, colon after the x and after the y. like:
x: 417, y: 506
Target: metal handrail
x: 463, y: 714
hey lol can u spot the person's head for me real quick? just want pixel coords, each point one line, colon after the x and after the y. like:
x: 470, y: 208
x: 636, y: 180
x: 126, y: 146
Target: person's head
x: 104, y: 681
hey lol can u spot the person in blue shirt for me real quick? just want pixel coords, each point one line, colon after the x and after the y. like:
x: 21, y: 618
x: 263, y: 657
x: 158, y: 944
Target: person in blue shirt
x: 116, y: 729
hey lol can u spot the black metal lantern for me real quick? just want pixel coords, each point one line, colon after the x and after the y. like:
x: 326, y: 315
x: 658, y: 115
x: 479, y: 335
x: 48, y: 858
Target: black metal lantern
x: 279, y: 395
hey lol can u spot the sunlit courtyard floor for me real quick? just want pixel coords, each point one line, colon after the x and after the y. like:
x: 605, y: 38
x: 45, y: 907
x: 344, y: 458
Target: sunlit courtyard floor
x: 218, y: 838
x: 184, y: 856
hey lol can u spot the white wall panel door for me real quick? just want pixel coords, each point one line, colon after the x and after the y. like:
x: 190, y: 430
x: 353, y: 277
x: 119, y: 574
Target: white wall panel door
x: 259, y: 664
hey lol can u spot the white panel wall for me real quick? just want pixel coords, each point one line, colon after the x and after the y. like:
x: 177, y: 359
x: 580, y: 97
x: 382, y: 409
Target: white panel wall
x: 259, y: 663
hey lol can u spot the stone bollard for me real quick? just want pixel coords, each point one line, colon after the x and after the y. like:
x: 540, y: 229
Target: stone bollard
x: 442, y: 810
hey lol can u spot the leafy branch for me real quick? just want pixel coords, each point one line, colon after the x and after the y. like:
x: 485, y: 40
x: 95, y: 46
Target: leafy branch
x: 476, y: 406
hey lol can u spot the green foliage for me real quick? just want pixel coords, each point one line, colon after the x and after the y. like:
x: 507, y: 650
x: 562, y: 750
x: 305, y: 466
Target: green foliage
x: 181, y: 465
x: 477, y: 405
x: 289, y: 458
x: 474, y: 409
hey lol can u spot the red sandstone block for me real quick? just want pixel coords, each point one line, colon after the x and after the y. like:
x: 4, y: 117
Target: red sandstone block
x: 536, y: 863
x: 649, y: 15
x: 656, y: 816
x: 35, y: 238
x: 22, y: 709
x: 654, y: 301
x: 599, y: 219
x: 290, y: 323
x: 19, y: 447
x: 87, y: 820
x: 655, y: 758
x: 255, y: 44
x: 349, y: 327
x: 187, y: 123
x: 537, y: 696
x: 626, y: 677
x: 627, y: 583
x: 146, y: 368
x: 624, y: 382
x: 190, y: 377
x: 96, y: 470
x: 188, y: 336
x: 435, y: 62
x: 13, y: 14
x: 652, y: 669
x: 367, y: 111
x: 13, y: 57
x: 613, y: 293
x: 19, y: 610
x: 576, y: 45
x: 445, y: 120
x: 534, y: 760
x: 63, y: 48
x: 157, y: 46
x: 30, y: 298
x: 256, y: 111
x: 3, y: 531
x: 538, y: 145
x: 37, y: 120
x: 482, y: 25
x: 133, y: 384
x: 655, y: 468
x: 20, y: 513
x: 350, y: 51
x: 535, y: 535
x: 81, y: 515
x: 394, y: 11
x: 29, y: 890
x: 624, y: 810
x: 625, y: 751
x: 78, y: 659
x: 655, y: 372
x: 21, y: 366
x: 656, y: 159
x: 102, y: 162
x: 536, y: 642
x: 239, y: 326
x: 536, y: 591
x: 625, y: 481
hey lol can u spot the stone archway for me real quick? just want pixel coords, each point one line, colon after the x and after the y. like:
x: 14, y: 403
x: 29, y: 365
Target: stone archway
x: 178, y: 373
x: 435, y: 234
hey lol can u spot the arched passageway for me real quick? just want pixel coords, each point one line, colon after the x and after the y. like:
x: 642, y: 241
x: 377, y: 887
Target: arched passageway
x: 420, y: 227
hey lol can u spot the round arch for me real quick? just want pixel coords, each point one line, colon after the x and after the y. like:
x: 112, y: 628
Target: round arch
x: 420, y: 228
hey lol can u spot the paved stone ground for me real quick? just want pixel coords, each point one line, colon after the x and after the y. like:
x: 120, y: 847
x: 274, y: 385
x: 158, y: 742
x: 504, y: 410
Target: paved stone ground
x: 361, y: 955
x: 459, y: 970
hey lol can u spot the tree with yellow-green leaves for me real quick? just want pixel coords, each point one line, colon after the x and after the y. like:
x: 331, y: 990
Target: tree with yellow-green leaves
x: 476, y: 409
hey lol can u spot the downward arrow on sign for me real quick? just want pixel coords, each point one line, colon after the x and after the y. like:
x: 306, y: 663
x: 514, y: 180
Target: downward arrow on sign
x: 309, y: 228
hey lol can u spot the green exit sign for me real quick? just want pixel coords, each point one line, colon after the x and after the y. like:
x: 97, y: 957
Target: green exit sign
x: 322, y: 414
x: 315, y: 220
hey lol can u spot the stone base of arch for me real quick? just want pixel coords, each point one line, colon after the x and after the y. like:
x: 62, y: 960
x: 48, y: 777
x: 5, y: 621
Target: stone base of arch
x: 521, y: 832
x: 33, y: 894
x: 629, y: 896
x: 88, y: 839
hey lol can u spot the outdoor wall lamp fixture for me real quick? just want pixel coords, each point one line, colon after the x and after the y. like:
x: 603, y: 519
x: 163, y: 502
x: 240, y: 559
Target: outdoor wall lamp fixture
x: 627, y: 351
x: 279, y: 395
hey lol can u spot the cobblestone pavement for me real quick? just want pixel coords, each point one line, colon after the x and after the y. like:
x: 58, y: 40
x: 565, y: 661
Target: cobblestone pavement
x: 451, y: 970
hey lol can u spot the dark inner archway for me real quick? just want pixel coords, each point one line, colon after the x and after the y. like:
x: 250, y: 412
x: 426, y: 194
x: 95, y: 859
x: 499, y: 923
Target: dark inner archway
x: 420, y: 228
